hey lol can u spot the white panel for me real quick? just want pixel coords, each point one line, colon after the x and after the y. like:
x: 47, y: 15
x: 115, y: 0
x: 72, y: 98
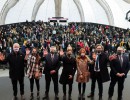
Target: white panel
x: 2, y: 2
x: 47, y: 10
x: 117, y: 7
x: 99, y: 12
x: 21, y: 12
x: 88, y: 11
x: 70, y: 11
x: 125, y: 7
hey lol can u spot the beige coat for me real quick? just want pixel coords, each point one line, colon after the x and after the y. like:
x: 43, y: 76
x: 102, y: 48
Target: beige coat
x: 82, y: 70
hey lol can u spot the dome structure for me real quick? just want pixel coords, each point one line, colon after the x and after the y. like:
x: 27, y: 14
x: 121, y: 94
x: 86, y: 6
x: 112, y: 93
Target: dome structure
x: 110, y: 12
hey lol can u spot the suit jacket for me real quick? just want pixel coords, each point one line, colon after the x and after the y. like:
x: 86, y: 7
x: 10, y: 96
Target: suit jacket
x: 16, y: 65
x: 103, y: 60
x: 117, y: 68
x: 49, y: 65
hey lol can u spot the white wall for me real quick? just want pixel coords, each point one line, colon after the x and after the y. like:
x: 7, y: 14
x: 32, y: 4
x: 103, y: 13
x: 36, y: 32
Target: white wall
x: 119, y: 9
x: 21, y: 12
x: 69, y: 10
x: 2, y: 2
x: 46, y: 10
x: 92, y: 10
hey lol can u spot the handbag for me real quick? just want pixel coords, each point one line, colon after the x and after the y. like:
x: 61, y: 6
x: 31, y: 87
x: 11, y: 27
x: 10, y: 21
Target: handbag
x: 81, y: 77
x: 37, y: 75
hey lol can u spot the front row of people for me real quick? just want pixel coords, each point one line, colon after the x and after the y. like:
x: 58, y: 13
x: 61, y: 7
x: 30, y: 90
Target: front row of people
x: 94, y: 67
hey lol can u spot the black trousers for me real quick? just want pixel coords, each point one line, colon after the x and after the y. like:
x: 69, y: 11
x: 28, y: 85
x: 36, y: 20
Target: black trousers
x: 83, y: 86
x: 113, y: 82
x: 54, y: 78
x: 14, y: 84
x: 97, y: 77
x: 70, y: 89
x: 32, y: 84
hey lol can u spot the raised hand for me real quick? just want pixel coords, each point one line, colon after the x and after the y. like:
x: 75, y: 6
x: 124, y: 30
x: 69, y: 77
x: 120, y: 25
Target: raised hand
x: 2, y: 57
x: 27, y: 52
x: 112, y: 57
x: 45, y: 52
x: 94, y: 56
x: 61, y: 53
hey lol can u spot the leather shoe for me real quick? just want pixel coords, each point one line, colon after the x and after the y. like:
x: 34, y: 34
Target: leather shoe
x: 56, y: 96
x: 14, y: 98
x: 119, y: 98
x: 100, y: 98
x: 90, y: 95
x: 110, y: 98
x: 45, y: 97
x: 22, y: 97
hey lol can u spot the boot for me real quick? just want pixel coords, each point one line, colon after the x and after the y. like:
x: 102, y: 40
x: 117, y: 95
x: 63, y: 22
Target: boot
x: 38, y: 95
x: 31, y: 96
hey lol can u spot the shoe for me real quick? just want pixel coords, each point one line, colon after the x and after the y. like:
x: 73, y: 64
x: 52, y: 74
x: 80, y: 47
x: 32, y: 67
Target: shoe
x: 38, y: 95
x: 80, y: 96
x: 56, y: 96
x: 46, y: 96
x: 83, y: 96
x: 119, y: 98
x: 14, y: 98
x: 90, y: 95
x: 22, y: 97
x: 31, y: 96
x: 69, y: 97
x: 109, y: 98
x: 64, y: 97
x: 100, y: 97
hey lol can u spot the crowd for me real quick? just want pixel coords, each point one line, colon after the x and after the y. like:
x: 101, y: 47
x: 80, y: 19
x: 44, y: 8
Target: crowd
x: 83, y: 47
x: 43, y: 35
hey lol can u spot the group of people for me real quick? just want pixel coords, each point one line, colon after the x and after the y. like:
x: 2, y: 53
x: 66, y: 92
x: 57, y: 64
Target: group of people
x: 94, y: 67
x: 43, y: 35
x: 83, y: 47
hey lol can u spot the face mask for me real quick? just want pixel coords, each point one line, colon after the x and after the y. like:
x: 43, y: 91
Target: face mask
x: 52, y: 52
x: 34, y: 53
x: 82, y: 54
x: 118, y: 53
x: 16, y: 49
x: 69, y: 54
x: 98, y: 52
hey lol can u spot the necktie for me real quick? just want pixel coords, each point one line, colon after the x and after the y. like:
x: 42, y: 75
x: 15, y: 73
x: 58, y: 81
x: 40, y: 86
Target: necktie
x: 52, y: 57
x: 120, y: 58
x: 97, y: 61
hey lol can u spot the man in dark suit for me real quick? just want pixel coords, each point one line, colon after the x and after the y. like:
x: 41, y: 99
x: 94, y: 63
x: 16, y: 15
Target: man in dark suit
x: 119, y: 64
x: 52, y: 65
x: 16, y: 69
x: 99, y: 70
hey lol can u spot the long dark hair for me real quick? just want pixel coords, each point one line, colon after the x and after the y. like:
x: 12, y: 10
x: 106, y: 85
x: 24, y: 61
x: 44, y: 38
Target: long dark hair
x: 37, y: 56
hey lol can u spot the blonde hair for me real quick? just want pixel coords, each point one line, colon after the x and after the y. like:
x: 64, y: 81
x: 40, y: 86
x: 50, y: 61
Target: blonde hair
x: 82, y: 50
x: 69, y: 48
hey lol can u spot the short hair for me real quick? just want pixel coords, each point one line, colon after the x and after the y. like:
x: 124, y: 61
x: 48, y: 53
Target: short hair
x: 16, y: 44
x: 53, y: 47
x: 99, y: 45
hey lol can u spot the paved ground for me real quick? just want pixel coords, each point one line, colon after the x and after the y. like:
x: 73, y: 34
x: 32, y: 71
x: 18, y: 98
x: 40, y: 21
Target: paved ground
x: 6, y: 89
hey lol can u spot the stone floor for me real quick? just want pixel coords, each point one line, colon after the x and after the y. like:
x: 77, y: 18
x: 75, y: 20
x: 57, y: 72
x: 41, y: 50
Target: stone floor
x: 6, y: 89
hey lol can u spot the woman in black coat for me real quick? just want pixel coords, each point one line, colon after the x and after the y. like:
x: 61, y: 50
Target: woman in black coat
x: 67, y: 75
